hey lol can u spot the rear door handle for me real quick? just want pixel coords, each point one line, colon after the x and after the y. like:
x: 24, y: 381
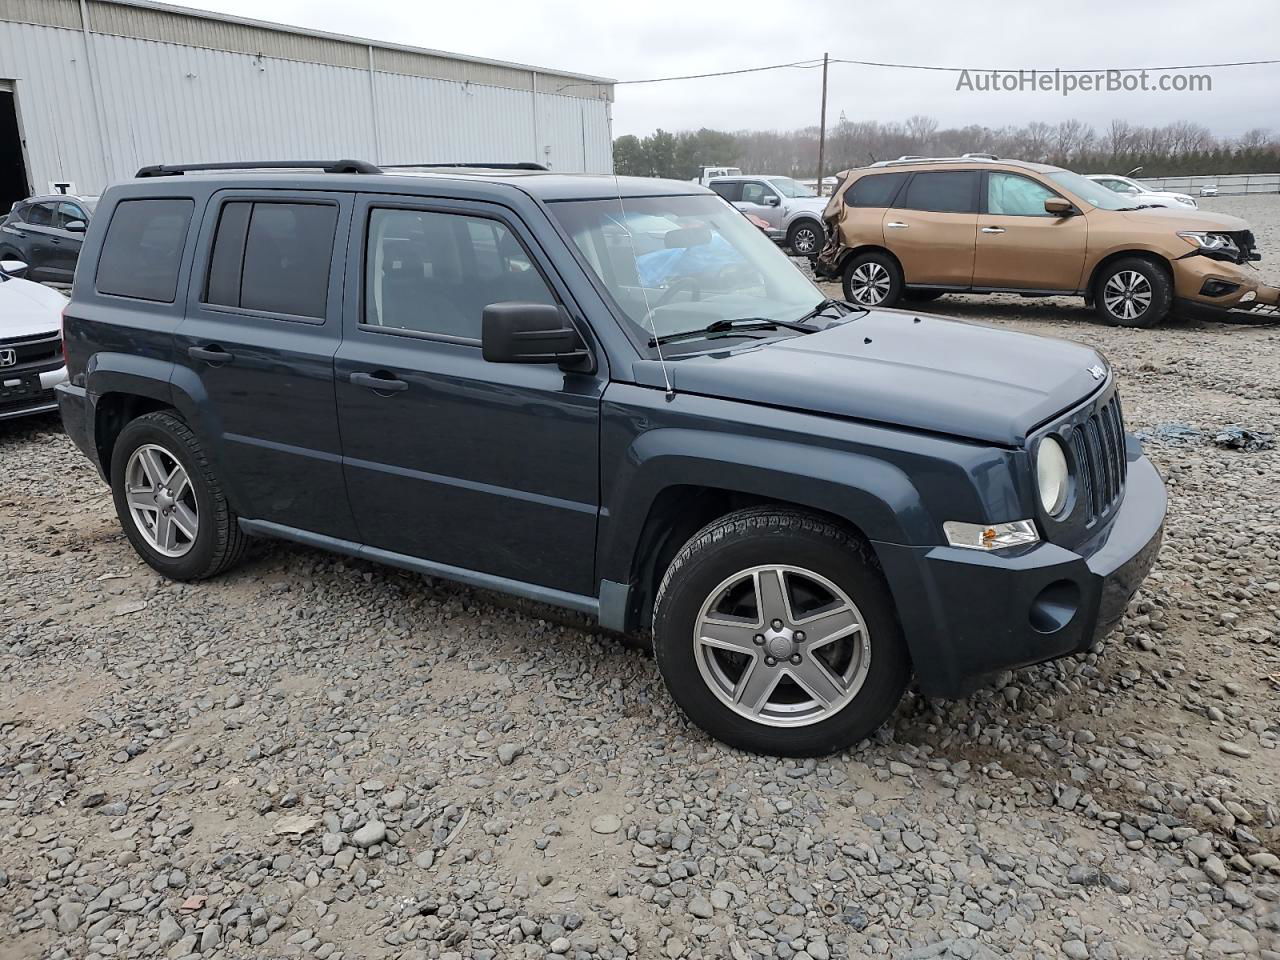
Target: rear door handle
x: 210, y: 354
x: 381, y: 382
x: 897, y: 225
x: 993, y: 229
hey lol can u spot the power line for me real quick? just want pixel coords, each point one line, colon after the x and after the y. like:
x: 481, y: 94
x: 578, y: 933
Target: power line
x: 1073, y: 70
x: 811, y: 64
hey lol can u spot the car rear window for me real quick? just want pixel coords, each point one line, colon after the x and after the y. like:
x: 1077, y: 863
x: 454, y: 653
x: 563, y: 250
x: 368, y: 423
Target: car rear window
x: 143, y: 249
x: 942, y: 192
x: 874, y: 190
x: 273, y: 257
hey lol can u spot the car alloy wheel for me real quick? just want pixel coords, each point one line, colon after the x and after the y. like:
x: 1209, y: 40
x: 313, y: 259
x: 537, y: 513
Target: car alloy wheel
x: 869, y: 284
x: 161, y: 500
x: 782, y: 646
x: 1127, y: 295
x: 804, y: 241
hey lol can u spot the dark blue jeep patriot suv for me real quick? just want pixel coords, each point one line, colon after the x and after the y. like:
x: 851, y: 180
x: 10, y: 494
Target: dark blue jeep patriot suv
x: 612, y: 395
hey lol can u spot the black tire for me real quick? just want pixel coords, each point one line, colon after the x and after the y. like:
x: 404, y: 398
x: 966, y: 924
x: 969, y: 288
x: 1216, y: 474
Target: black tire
x: 861, y: 277
x: 771, y: 535
x: 921, y: 296
x: 219, y: 542
x: 1158, y: 285
x: 805, y: 238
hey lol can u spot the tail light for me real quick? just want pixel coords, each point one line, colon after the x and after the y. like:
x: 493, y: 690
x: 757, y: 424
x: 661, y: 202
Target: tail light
x: 65, y: 359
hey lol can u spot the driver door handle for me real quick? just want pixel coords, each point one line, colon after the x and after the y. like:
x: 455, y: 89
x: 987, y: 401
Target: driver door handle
x: 897, y: 225
x: 381, y: 382
x: 993, y: 229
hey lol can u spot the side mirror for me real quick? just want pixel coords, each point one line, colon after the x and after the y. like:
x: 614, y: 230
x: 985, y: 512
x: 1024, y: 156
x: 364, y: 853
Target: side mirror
x: 772, y: 200
x: 516, y: 332
x: 75, y: 226
x: 1058, y: 207
x: 13, y: 268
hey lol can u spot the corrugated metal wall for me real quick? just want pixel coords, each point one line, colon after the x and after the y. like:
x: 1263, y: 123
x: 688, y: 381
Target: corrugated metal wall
x: 163, y: 102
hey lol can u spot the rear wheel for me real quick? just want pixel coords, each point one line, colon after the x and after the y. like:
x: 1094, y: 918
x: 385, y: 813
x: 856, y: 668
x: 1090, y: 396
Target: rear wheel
x: 775, y: 633
x: 805, y: 238
x: 872, y: 280
x: 169, y: 502
x: 1133, y: 292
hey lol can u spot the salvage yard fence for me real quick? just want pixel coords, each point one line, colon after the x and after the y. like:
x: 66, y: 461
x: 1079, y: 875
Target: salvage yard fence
x: 1229, y: 185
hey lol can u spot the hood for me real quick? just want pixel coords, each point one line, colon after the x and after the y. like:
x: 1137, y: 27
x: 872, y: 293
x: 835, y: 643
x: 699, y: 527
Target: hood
x: 28, y: 310
x: 910, y: 370
x: 1167, y: 195
x: 1184, y: 218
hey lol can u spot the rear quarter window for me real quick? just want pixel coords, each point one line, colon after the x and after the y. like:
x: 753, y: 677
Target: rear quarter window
x: 874, y: 190
x: 142, y: 250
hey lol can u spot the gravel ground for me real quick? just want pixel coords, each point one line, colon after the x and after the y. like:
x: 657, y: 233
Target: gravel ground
x: 320, y: 758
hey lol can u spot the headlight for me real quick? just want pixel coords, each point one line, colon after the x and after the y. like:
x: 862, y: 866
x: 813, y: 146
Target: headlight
x: 1052, y: 476
x: 990, y: 536
x: 1216, y: 242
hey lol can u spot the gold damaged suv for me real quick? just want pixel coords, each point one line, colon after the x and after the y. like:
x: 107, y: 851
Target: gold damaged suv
x: 914, y: 229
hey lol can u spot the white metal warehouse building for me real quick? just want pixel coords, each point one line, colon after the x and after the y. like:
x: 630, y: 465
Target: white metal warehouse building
x: 91, y: 90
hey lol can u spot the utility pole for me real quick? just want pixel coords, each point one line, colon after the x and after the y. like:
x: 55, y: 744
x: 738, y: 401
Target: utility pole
x: 822, y: 125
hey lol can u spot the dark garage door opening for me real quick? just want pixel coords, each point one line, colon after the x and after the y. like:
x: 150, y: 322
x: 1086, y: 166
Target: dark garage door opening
x: 13, y: 172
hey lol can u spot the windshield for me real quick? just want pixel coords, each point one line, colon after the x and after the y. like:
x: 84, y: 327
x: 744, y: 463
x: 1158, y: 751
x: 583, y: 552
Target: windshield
x: 790, y: 188
x: 678, y: 264
x: 1092, y: 192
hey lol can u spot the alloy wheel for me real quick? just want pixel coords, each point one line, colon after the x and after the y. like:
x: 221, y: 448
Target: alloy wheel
x: 869, y: 284
x: 1127, y: 295
x: 161, y: 500
x: 782, y: 646
x: 805, y: 241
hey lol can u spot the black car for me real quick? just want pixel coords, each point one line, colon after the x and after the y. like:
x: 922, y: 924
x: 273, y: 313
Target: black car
x: 46, y: 234
x: 615, y: 396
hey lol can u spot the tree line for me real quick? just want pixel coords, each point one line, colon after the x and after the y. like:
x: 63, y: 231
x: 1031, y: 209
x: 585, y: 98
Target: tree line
x: 1176, y: 149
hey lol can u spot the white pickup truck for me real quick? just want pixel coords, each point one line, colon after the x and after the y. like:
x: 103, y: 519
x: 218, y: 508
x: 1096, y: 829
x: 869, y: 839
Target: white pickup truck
x: 705, y: 174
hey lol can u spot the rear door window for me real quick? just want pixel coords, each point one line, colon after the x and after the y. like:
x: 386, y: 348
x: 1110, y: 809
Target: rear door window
x: 874, y: 190
x: 40, y: 215
x: 273, y: 257
x: 731, y: 190
x: 945, y: 191
x: 143, y: 248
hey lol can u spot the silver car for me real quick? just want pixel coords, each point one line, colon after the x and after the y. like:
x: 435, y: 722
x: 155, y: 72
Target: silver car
x: 792, y: 211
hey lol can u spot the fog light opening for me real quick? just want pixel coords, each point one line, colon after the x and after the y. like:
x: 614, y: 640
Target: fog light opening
x: 1055, y: 606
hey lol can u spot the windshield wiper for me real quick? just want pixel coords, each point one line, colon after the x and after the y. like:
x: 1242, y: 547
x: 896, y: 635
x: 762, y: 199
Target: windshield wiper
x: 735, y: 325
x: 826, y: 305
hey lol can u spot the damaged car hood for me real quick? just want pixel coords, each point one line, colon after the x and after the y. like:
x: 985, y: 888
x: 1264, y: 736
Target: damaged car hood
x: 909, y: 370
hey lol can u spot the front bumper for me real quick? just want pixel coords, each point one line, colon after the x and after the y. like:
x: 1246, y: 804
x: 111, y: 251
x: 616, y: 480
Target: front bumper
x: 26, y: 395
x: 968, y: 614
x: 1237, y: 294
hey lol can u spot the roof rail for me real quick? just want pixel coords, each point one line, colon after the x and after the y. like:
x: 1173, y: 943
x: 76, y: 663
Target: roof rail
x: 328, y: 166
x: 520, y: 165
x: 967, y: 158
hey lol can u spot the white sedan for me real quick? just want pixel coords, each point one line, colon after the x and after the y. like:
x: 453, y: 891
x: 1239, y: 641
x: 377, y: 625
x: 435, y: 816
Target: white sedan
x: 1141, y: 193
x: 31, y: 360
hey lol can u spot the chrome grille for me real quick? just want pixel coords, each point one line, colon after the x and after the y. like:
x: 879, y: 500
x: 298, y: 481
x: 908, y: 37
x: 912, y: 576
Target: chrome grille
x: 33, y: 350
x: 1097, y: 445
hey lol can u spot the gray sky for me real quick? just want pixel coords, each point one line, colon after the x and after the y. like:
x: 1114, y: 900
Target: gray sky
x: 665, y: 37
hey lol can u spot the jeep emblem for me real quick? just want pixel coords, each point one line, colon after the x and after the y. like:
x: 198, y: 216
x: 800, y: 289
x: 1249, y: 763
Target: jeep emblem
x: 1097, y: 371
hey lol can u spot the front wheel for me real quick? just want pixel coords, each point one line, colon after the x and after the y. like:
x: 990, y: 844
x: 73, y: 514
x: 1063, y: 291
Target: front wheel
x: 775, y: 633
x: 872, y: 280
x: 1133, y: 292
